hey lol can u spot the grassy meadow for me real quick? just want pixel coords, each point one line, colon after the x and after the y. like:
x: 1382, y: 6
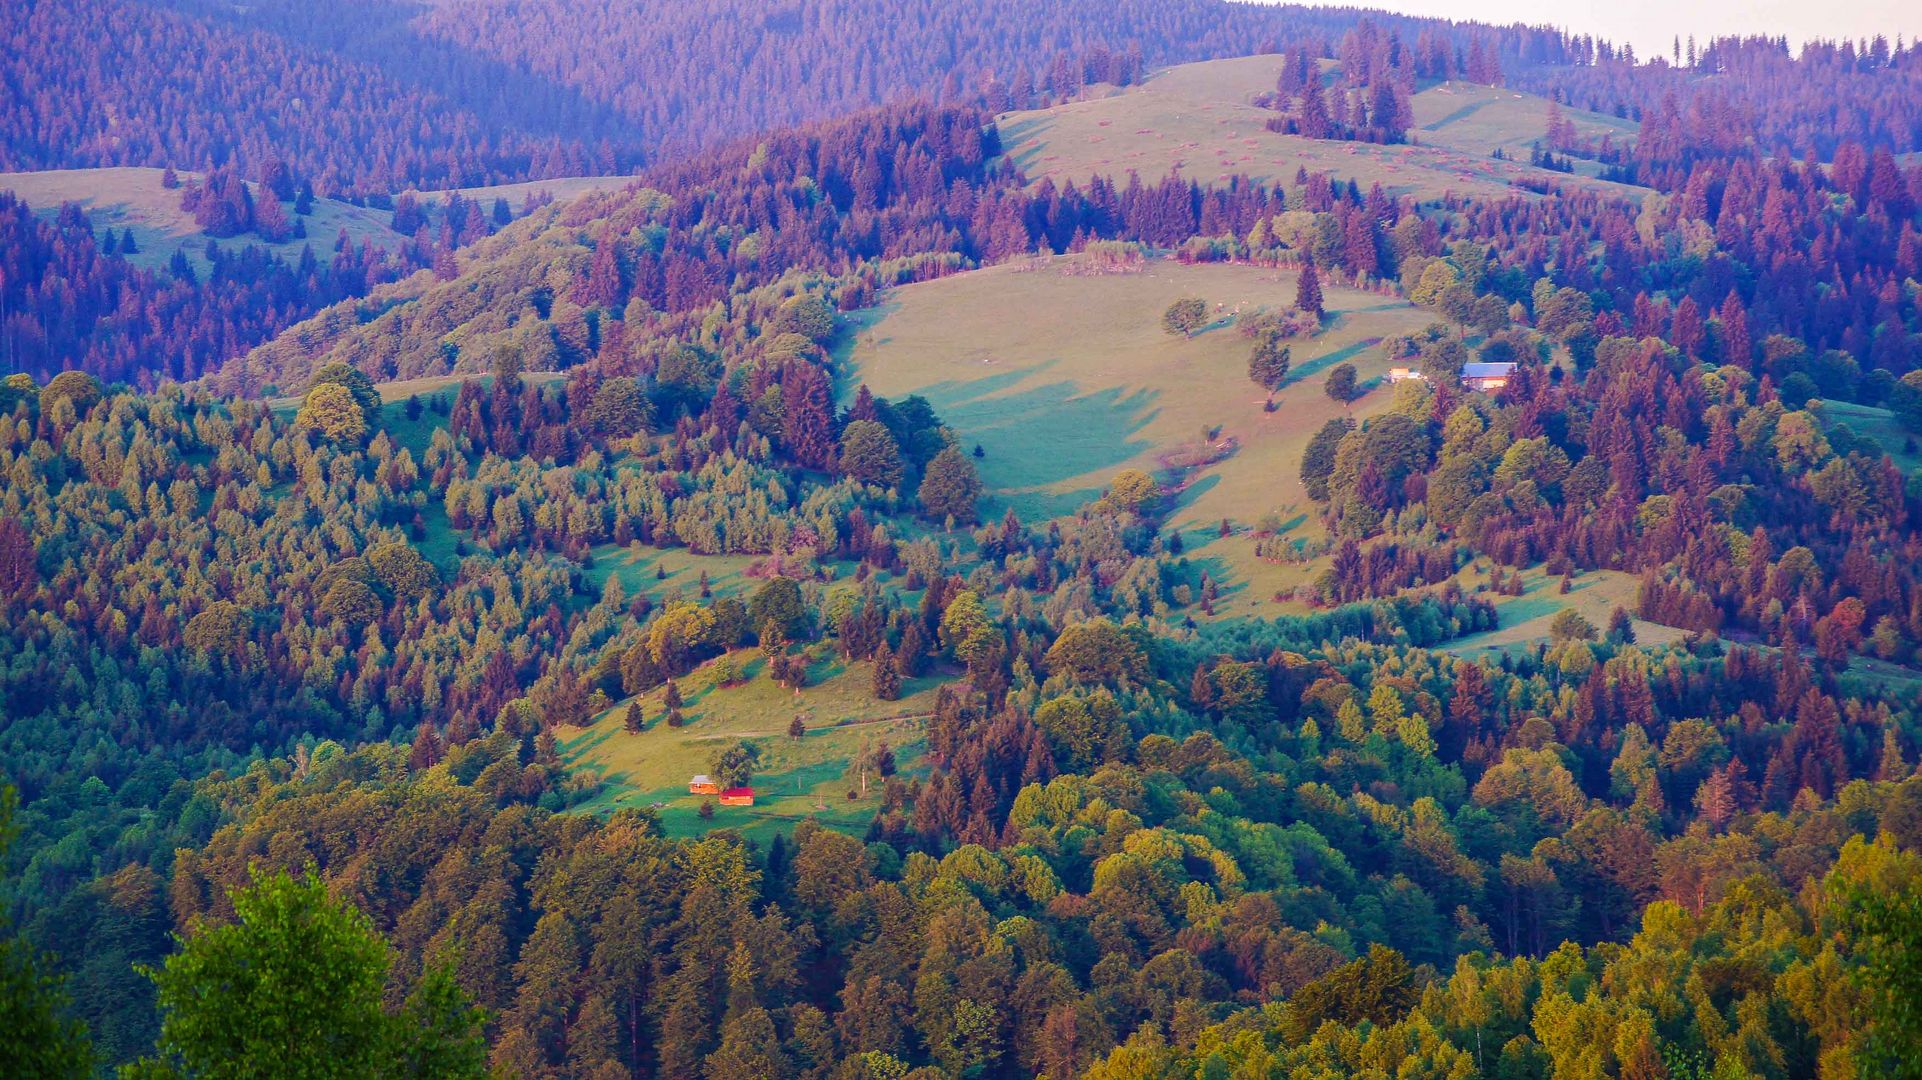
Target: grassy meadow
x: 1199, y: 118
x: 794, y: 778
x: 1065, y: 379
x: 123, y: 198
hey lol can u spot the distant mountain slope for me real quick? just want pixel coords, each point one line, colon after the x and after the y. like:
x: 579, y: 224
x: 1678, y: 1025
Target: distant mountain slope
x: 134, y: 198
x: 377, y: 96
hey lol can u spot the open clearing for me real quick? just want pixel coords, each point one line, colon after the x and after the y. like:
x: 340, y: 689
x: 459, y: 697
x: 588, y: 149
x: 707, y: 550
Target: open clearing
x: 1064, y: 379
x: 122, y: 198
x: 1525, y: 618
x: 793, y: 778
x: 561, y: 188
x: 1477, y: 120
x: 1200, y: 118
x: 1876, y: 425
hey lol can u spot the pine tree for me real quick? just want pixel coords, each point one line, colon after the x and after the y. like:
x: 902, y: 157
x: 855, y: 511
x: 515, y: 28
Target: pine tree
x: 1308, y: 292
x: 887, y: 676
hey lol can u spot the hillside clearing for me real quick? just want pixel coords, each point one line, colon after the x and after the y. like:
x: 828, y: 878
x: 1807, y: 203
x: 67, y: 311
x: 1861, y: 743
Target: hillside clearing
x: 793, y: 779
x: 1064, y: 379
x: 1594, y: 594
x: 123, y: 198
x: 1200, y: 118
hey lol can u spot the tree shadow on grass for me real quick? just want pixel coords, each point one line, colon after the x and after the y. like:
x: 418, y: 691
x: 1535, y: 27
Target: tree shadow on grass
x: 1039, y: 438
x: 1308, y: 369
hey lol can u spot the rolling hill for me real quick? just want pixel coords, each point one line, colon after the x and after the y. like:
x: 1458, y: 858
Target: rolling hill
x: 134, y: 198
x: 1200, y: 118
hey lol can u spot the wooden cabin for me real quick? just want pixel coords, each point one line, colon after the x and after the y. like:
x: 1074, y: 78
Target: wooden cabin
x: 738, y: 796
x: 1487, y: 377
x: 703, y: 785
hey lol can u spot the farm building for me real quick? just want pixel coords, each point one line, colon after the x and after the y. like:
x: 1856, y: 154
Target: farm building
x: 1486, y: 378
x: 702, y: 785
x: 738, y: 796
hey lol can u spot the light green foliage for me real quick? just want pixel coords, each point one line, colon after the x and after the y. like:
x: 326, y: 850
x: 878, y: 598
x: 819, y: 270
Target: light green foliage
x: 330, y: 409
x: 966, y: 629
x: 293, y: 989
x: 1132, y: 490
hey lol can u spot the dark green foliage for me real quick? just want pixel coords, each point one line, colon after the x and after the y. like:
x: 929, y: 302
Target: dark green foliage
x: 1318, y: 461
x: 38, y: 1036
x: 357, y: 383
x: 1888, y: 939
x: 1268, y: 362
x: 950, y: 488
x: 734, y: 765
x: 1341, y: 383
x: 777, y: 608
x: 869, y: 454
x: 1185, y: 316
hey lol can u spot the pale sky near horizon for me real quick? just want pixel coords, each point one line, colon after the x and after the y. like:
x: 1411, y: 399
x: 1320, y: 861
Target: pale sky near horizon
x: 1651, y: 26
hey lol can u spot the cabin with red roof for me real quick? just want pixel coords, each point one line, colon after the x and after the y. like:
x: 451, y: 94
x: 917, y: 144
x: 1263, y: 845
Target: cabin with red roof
x: 738, y: 796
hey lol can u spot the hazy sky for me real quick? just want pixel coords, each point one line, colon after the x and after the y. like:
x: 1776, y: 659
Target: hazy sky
x: 1652, y: 25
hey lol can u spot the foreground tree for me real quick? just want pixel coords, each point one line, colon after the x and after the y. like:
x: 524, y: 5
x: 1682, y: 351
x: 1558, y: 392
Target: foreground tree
x: 293, y: 990
x: 37, y: 1036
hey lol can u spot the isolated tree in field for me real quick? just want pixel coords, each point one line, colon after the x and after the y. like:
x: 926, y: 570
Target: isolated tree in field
x: 1308, y: 292
x: 294, y: 988
x: 1185, y: 316
x: 950, y: 488
x: 734, y: 766
x: 330, y: 409
x: 1268, y: 362
x: 869, y: 454
x: 1568, y: 625
x: 1341, y: 384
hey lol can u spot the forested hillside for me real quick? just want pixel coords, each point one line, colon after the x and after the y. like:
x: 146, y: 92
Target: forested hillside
x: 733, y: 622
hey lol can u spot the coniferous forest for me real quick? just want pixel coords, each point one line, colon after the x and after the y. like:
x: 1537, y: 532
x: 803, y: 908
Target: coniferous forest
x: 359, y: 585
